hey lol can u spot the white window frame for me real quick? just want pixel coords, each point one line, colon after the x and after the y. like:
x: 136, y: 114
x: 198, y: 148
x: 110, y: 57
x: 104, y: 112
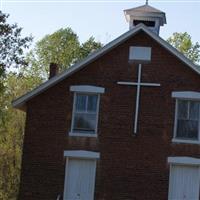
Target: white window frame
x: 189, y: 96
x: 85, y: 90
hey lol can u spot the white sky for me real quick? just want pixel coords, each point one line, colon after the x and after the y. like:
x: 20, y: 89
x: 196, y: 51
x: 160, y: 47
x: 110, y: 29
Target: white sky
x: 102, y: 19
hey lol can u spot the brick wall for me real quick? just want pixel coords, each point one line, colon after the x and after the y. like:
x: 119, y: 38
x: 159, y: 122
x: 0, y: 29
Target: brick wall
x: 130, y: 167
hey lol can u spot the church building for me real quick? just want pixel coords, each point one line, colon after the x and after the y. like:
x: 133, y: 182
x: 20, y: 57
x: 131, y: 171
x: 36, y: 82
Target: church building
x: 122, y: 124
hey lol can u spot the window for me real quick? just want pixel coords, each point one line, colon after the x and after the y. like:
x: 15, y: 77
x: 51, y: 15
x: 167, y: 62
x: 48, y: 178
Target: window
x: 85, y: 113
x: 187, y: 118
x: 85, y: 110
x: 147, y: 23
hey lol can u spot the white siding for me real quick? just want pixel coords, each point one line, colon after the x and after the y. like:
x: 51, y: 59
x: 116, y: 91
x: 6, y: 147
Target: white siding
x: 80, y: 179
x: 184, y: 182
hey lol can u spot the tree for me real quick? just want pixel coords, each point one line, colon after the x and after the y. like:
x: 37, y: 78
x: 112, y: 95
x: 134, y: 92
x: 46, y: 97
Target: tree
x: 12, y: 57
x: 12, y: 46
x: 183, y: 43
x: 88, y: 47
x: 12, y: 131
x: 61, y: 47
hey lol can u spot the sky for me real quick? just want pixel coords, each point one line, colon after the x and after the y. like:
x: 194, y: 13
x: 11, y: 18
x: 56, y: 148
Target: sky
x: 99, y: 18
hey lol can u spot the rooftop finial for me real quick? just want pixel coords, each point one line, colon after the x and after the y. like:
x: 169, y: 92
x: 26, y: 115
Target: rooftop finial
x: 147, y: 2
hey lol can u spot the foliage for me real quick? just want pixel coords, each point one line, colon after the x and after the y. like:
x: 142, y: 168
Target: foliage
x: 61, y: 47
x: 12, y: 46
x: 183, y: 42
x: 12, y: 132
x: 12, y: 56
x: 88, y: 47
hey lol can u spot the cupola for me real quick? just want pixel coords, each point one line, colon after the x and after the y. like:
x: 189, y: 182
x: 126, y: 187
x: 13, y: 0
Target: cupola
x: 147, y: 15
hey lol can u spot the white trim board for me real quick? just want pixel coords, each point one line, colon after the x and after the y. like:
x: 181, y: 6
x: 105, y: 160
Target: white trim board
x: 184, y: 160
x: 186, y: 95
x: 87, y: 89
x: 75, y: 134
x: 182, y: 141
x: 82, y: 154
x: 21, y: 101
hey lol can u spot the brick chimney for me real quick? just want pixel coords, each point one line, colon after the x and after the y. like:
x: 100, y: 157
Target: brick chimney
x: 53, y: 70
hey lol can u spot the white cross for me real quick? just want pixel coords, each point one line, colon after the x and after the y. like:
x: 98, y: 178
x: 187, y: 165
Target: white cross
x: 138, y: 84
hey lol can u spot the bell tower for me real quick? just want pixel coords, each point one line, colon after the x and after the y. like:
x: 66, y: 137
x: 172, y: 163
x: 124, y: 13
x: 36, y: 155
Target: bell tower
x: 147, y: 15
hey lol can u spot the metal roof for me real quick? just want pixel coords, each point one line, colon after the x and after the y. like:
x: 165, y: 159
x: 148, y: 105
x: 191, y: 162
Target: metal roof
x: 20, y: 102
x: 146, y: 11
x: 144, y: 8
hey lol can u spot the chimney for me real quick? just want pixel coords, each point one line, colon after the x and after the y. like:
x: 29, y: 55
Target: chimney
x: 53, y: 70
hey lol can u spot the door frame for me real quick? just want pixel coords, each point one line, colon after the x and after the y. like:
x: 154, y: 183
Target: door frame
x: 80, y: 155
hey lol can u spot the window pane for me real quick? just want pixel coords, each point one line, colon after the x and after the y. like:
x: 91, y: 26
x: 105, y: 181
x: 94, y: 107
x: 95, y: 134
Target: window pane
x: 85, y: 122
x: 182, y: 109
x: 92, y: 103
x: 194, y: 110
x: 81, y: 102
x: 187, y: 129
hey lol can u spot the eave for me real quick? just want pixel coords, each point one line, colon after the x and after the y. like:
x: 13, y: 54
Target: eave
x: 20, y: 103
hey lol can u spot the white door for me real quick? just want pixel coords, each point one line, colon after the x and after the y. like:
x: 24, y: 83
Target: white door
x: 184, y: 183
x: 80, y: 179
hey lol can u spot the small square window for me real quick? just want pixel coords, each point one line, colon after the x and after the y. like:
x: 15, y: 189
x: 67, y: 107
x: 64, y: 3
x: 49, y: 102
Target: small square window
x: 187, y: 120
x: 85, y: 113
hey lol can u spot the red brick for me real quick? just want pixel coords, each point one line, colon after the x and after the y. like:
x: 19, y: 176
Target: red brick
x: 130, y: 167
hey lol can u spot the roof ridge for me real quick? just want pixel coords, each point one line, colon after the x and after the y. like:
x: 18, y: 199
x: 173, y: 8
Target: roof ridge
x: 20, y: 102
x: 146, y: 6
